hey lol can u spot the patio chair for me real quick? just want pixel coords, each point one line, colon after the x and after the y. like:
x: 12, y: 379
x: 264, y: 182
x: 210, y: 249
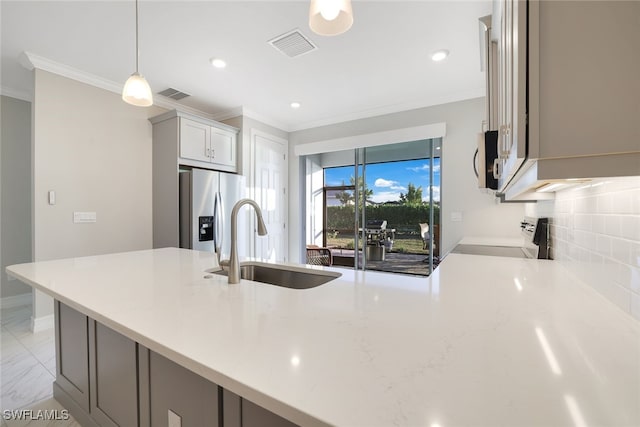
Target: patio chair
x: 317, y: 255
x: 424, y: 233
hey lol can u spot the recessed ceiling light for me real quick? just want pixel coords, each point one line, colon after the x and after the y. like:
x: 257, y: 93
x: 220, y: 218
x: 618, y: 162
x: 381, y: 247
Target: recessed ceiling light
x: 218, y: 63
x: 439, y: 55
x: 295, y: 105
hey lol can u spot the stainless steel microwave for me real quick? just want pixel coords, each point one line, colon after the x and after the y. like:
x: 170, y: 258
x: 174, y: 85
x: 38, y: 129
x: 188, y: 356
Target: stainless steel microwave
x: 485, y: 162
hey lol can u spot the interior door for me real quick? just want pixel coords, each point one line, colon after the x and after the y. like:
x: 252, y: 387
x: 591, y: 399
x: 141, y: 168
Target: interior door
x: 270, y: 192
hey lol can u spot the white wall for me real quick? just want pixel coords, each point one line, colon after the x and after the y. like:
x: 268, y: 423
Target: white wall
x: 94, y: 151
x: 16, y: 191
x: 482, y: 216
x: 595, y: 233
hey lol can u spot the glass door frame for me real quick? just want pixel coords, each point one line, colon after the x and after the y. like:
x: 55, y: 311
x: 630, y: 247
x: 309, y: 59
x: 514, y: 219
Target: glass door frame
x: 360, y: 217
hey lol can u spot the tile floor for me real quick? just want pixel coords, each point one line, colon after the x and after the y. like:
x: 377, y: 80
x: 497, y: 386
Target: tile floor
x: 27, y: 369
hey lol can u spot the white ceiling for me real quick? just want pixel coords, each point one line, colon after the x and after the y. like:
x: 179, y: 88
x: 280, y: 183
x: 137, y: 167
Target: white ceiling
x: 382, y: 64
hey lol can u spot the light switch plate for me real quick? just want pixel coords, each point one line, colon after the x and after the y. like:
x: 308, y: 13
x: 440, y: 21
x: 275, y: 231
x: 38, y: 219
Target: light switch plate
x: 82, y: 217
x: 456, y: 216
x: 174, y: 419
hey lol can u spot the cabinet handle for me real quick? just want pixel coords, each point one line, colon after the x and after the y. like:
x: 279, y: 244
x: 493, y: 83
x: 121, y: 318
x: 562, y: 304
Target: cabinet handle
x: 497, y: 168
x: 206, y: 152
x: 503, y: 152
x: 213, y: 153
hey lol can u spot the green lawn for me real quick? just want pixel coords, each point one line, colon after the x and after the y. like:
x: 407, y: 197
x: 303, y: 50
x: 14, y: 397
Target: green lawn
x: 402, y: 244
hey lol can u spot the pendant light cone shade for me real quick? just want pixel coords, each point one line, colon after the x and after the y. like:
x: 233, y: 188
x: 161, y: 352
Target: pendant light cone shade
x: 330, y: 17
x: 136, y: 90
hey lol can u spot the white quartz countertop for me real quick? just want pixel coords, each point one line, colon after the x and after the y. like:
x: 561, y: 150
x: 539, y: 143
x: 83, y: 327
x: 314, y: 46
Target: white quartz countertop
x: 485, y: 341
x: 492, y: 241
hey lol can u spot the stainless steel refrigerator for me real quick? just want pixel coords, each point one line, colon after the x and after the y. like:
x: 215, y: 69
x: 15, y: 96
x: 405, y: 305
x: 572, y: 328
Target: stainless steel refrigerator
x: 206, y: 200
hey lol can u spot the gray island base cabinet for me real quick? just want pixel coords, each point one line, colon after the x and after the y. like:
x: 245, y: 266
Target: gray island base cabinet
x: 106, y: 379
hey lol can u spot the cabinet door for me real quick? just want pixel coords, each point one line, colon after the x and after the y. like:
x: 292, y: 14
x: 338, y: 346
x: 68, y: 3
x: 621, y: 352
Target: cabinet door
x: 72, y: 354
x: 114, y: 375
x: 239, y: 412
x: 180, y: 396
x: 256, y: 416
x: 223, y: 147
x: 195, y: 139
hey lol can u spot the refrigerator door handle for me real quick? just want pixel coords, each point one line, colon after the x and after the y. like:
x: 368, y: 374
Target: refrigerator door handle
x: 217, y: 235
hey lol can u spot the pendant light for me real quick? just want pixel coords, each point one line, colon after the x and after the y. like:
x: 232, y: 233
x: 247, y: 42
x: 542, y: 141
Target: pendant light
x: 136, y: 90
x: 330, y: 17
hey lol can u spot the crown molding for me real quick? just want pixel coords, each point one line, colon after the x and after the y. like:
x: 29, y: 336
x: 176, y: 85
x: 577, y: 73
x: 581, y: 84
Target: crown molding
x: 16, y: 93
x: 228, y: 114
x: 30, y: 61
x: 245, y: 112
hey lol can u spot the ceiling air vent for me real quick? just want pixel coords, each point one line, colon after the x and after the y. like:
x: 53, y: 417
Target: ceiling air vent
x: 293, y: 43
x: 173, y: 94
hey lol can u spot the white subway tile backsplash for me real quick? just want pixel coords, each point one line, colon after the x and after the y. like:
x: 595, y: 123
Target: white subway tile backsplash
x: 635, y: 254
x: 622, y: 203
x: 605, y: 202
x: 612, y: 225
x: 603, y: 244
x: 598, y: 224
x: 635, y: 306
x: 621, y: 250
x: 634, y: 279
x: 583, y: 222
x: 596, y: 235
x: 631, y: 227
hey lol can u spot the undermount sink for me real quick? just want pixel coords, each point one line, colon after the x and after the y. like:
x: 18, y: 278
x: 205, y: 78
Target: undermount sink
x: 285, y: 276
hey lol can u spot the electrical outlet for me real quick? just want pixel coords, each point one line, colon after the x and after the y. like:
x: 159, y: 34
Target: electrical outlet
x: 81, y: 217
x: 174, y: 419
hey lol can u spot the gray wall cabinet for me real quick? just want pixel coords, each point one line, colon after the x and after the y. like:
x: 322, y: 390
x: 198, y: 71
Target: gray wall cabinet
x: 239, y: 412
x: 179, y: 394
x: 106, y: 379
x: 113, y: 377
x: 72, y: 354
x: 97, y: 374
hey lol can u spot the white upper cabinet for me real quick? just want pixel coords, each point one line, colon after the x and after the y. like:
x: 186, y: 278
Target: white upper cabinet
x: 199, y: 142
x: 195, y: 140
x: 207, y: 143
x: 223, y: 147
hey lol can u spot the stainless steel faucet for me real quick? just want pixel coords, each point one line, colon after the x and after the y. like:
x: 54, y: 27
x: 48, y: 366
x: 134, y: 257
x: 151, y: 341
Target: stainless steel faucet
x: 234, y: 264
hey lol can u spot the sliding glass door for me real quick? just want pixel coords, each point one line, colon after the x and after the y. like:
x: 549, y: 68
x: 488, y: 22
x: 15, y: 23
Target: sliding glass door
x: 381, y: 211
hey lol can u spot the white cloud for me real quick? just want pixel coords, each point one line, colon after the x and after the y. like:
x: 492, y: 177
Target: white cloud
x: 436, y: 194
x: 385, y: 183
x: 425, y: 168
x: 381, y: 182
x: 385, y: 196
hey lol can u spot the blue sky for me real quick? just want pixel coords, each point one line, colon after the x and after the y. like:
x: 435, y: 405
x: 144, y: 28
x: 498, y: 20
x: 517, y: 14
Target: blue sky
x: 388, y: 180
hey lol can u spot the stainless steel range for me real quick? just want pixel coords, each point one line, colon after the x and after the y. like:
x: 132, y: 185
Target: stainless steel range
x: 536, y: 243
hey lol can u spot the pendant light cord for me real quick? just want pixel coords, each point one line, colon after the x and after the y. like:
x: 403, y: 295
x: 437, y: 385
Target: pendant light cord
x: 137, y: 48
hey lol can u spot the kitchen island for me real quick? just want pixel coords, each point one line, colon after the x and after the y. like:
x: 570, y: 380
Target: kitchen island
x: 483, y: 341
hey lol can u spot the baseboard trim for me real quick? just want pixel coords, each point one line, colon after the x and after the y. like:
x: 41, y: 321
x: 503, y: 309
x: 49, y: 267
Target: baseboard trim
x: 76, y: 411
x: 42, y: 323
x: 15, y: 301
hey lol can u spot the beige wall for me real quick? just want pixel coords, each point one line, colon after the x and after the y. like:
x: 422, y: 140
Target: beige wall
x: 94, y: 151
x: 15, y: 230
x: 482, y: 216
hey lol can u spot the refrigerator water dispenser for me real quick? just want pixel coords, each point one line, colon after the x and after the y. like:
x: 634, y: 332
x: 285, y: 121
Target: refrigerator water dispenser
x: 205, y: 225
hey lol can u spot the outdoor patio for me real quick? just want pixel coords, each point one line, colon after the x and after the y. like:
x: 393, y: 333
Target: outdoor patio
x: 394, y: 262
